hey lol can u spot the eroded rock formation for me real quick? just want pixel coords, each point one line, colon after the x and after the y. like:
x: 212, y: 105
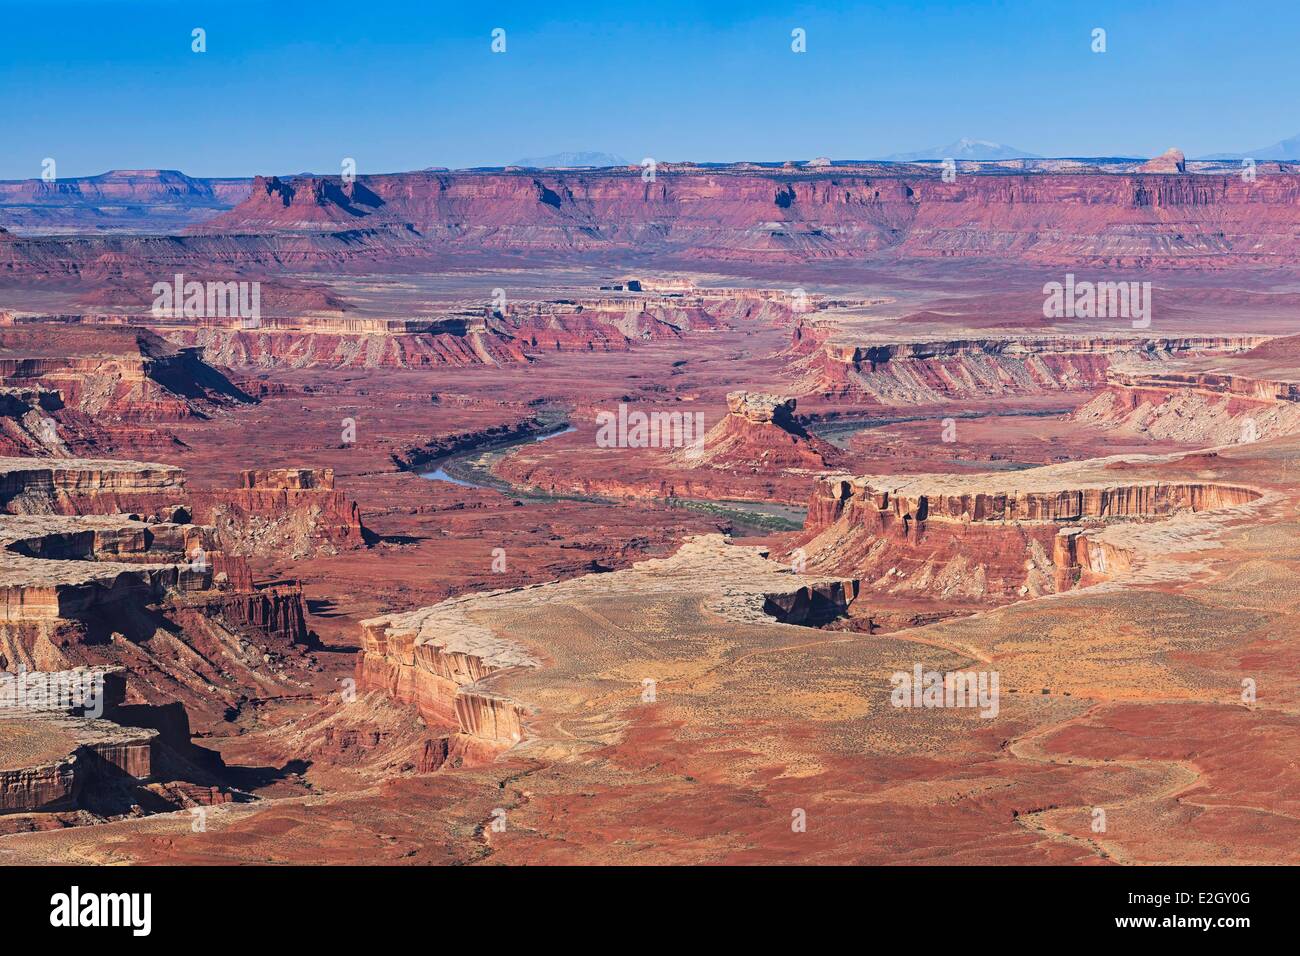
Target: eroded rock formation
x: 50, y: 761
x: 70, y: 741
x: 297, y: 511
x: 131, y: 374
x: 1207, y: 407
x: 87, y: 486
x: 27, y: 426
x: 140, y: 200
x: 291, y: 335
x: 1128, y: 219
x: 83, y: 584
x: 436, y: 658
x: 989, y: 537
x: 66, y: 389
x: 760, y: 433
x: 1170, y: 161
x: 943, y: 370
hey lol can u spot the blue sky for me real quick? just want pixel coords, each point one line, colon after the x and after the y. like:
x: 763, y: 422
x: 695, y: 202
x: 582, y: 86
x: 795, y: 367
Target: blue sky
x: 291, y: 87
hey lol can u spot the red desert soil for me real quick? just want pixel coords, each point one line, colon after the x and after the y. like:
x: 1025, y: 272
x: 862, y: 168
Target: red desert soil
x: 567, y: 662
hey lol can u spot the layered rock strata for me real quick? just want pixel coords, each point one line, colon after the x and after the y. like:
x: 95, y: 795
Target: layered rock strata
x: 69, y: 740
x: 436, y: 659
x: 760, y: 433
x: 48, y: 761
x: 297, y: 510
x: 128, y: 375
x: 87, y: 486
x: 989, y: 537
x: 1155, y: 215
x: 467, y: 335
x: 1206, y: 407
x: 943, y: 370
x: 81, y: 584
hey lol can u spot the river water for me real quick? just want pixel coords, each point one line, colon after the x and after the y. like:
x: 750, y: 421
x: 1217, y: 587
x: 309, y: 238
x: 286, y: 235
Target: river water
x: 473, y: 469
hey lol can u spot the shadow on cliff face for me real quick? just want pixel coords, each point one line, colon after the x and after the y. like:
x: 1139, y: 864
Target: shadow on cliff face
x: 184, y: 373
x: 812, y: 606
x: 250, y: 779
x: 197, y: 777
x: 130, y: 617
x: 178, y: 773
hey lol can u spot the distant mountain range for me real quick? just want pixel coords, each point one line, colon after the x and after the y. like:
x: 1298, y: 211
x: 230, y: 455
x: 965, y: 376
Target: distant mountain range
x: 963, y: 149
x: 1286, y: 149
x: 562, y: 160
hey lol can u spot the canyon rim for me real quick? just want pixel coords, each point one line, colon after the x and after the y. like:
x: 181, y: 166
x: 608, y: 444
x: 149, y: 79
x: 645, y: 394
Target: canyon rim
x: 370, y: 498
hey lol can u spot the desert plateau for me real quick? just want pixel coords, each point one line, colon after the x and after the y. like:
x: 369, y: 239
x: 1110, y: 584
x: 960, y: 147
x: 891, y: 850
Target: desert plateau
x: 940, y: 510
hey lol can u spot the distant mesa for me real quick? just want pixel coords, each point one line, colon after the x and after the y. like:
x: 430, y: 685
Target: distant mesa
x: 571, y: 159
x: 970, y: 149
x: 1170, y: 161
x: 1287, y: 149
x: 300, y: 203
x: 1079, y: 210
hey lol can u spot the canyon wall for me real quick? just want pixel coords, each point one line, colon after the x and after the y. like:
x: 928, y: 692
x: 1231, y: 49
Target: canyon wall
x: 744, y: 213
x: 1120, y: 220
x: 463, y: 337
x: 83, y: 584
x: 70, y: 390
x: 75, y: 752
x: 295, y: 511
x: 987, y: 537
x: 1227, y: 405
x: 435, y: 660
x: 942, y: 370
x: 26, y: 423
x: 87, y: 486
x: 51, y: 760
x: 460, y: 664
x: 124, y: 358
x: 759, y: 434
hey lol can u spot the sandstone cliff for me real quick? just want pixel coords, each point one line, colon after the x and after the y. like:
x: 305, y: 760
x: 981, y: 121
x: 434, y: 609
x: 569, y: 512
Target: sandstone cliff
x: 1129, y: 219
x: 934, y: 371
x: 1206, y: 407
x: 1121, y: 220
x: 989, y: 537
x: 294, y: 511
x: 760, y: 433
x: 66, y: 389
x: 83, y: 584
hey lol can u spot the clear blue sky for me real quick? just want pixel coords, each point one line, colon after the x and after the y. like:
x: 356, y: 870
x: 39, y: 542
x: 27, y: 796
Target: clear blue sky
x: 289, y: 87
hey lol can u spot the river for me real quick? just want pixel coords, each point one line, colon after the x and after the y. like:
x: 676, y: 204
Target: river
x: 473, y: 469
